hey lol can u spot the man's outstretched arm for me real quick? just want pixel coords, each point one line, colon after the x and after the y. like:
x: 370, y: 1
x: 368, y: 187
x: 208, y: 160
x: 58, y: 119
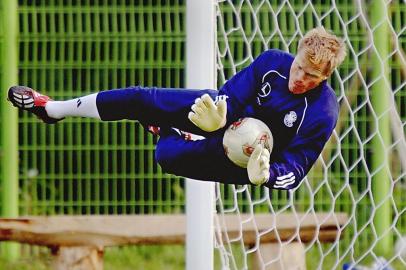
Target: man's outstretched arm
x: 288, y: 169
x: 239, y: 91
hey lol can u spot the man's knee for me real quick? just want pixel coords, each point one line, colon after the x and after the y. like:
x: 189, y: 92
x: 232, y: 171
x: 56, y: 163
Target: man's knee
x: 164, y: 157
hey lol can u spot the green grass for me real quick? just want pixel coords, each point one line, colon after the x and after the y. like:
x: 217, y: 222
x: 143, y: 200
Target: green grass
x: 124, y: 258
x: 26, y: 264
x: 169, y: 257
x: 145, y: 257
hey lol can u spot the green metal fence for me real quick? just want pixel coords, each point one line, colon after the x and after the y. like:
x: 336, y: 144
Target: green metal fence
x: 72, y: 48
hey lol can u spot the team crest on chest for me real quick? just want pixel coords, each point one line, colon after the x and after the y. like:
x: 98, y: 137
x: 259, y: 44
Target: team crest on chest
x: 290, y: 118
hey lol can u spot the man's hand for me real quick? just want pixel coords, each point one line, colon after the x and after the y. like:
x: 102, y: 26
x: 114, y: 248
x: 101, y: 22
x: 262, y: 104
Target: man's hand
x: 208, y: 116
x: 258, y: 165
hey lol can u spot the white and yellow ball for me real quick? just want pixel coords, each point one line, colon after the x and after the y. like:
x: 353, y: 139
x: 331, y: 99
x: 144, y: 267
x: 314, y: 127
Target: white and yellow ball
x: 242, y: 136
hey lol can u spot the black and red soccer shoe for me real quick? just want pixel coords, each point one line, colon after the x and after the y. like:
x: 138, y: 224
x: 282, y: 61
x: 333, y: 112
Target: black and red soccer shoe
x: 30, y: 100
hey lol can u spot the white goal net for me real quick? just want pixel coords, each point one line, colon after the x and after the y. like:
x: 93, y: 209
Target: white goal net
x: 361, y: 173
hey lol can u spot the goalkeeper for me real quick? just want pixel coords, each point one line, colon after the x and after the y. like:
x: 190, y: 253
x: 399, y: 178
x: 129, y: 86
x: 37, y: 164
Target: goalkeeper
x: 290, y: 94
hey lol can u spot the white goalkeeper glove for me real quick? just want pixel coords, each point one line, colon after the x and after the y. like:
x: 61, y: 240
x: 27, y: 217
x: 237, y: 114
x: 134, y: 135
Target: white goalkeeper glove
x: 208, y: 116
x: 258, y: 165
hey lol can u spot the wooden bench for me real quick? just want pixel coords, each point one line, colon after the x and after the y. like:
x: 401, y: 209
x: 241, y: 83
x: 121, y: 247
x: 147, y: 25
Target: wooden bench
x: 78, y: 242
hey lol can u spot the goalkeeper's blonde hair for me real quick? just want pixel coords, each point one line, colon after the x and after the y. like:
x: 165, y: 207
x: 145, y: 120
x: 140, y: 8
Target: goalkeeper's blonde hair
x: 323, y: 48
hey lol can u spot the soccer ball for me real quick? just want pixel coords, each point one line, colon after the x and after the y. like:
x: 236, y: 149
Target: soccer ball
x: 242, y: 136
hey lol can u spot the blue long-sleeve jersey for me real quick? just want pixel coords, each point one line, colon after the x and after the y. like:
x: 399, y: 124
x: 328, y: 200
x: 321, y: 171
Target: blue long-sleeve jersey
x: 300, y: 124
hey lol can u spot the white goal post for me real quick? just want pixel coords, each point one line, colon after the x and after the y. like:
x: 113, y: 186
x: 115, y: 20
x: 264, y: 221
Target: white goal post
x: 200, y: 69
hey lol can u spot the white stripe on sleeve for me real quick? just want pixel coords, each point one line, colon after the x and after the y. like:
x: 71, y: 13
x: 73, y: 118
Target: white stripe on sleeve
x: 285, y: 184
x: 282, y: 177
x: 281, y: 182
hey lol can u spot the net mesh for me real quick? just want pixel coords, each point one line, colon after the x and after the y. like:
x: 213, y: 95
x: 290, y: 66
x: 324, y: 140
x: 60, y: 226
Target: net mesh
x: 362, y: 169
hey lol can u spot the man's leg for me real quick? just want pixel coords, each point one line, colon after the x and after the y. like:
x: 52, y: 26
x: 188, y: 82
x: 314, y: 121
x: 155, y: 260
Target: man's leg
x: 164, y: 107
x: 83, y: 106
x: 151, y: 106
x: 51, y: 111
x: 201, y: 159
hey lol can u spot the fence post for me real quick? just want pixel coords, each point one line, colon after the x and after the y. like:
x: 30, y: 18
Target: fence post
x: 9, y: 121
x: 380, y: 97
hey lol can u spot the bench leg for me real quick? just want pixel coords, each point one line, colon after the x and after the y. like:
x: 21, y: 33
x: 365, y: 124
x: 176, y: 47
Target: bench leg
x: 288, y: 257
x: 78, y: 258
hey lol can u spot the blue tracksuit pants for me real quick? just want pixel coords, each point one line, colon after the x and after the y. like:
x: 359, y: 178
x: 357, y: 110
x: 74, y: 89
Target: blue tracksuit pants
x: 202, y: 159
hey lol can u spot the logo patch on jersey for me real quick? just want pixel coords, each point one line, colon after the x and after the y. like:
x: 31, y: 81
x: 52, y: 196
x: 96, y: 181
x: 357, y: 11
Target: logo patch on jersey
x: 266, y: 88
x: 290, y: 118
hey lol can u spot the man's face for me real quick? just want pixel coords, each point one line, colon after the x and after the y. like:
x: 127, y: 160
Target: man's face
x: 304, y: 75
